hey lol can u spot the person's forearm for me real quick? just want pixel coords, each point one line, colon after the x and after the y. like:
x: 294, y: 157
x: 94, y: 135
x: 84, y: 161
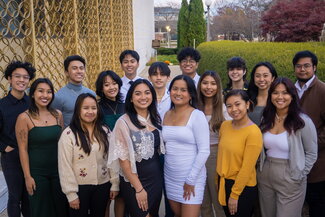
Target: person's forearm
x: 132, y: 177
x: 24, y: 160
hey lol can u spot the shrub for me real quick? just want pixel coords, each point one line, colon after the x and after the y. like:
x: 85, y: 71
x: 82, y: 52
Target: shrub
x: 215, y: 55
x: 167, y: 51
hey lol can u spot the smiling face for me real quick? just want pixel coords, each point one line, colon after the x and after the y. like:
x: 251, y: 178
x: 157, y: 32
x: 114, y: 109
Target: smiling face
x: 236, y: 74
x: 158, y: 79
x: 179, y: 94
x: 88, y: 111
x: 237, y: 107
x: 281, y: 98
x: 263, y: 78
x: 189, y: 66
x: 19, y: 80
x: 42, y: 95
x: 76, y: 72
x: 209, y: 86
x: 304, y: 69
x: 110, y: 88
x: 130, y: 66
x: 141, y: 97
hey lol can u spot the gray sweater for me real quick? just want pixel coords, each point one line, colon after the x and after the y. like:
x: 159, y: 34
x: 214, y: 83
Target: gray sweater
x: 302, y: 150
x: 65, y: 100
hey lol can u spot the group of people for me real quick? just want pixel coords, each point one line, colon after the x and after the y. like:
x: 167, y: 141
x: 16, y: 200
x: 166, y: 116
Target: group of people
x: 253, y: 148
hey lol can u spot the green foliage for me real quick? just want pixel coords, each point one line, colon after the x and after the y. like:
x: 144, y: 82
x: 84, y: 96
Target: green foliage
x: 167, y: 51
x: 196, y: 23
x: 215, y: 55
x: 161, y: 58
x: 182, y: 25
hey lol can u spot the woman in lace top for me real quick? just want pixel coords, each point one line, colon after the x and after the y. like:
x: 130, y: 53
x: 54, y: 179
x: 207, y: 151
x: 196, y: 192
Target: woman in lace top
x: 134, y: 151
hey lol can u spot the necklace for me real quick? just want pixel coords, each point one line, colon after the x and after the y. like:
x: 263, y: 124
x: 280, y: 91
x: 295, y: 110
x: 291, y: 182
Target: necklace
x: 113, y: 110
x: 279, y: 119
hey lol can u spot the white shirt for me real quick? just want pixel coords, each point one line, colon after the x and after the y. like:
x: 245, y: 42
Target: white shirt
x: 164, y: 105
x: 304, y: 87
x: 126, y: 86
x: 196, y: 79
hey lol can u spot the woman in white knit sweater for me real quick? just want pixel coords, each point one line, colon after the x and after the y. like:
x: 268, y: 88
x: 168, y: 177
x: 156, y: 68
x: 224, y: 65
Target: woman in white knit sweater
x: 83, y: 150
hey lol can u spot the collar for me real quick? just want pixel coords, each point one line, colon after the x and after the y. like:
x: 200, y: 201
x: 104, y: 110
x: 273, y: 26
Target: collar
x: 144, y: 120
x: 75, y: 87
x: 306, y: 85
x: 127, y: 80
x: 14, y: 100
x: 166, y: 95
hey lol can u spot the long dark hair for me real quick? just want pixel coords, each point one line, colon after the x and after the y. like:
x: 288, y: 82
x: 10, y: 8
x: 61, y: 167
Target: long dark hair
x: 82, y: 135
x: 190, y: 88
x: 100, y: 83
x: 293, y: 121
x: 252, y: 88
x: 132, y: 113
x: 33, y: 109
x: 217, y: 103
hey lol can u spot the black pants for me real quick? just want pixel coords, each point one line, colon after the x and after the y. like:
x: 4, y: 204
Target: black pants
x: 246, y: 200
x: 93, y: 200
x: 18, y: 202
x: 315, y: 197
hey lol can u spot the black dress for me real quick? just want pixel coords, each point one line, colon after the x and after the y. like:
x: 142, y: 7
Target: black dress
x: 150, y: 175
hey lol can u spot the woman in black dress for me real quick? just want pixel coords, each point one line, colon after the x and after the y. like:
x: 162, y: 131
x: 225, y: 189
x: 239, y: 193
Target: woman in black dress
x: 134, y: 151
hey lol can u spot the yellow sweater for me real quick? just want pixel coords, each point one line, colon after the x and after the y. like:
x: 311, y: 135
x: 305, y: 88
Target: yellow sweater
x: 238, y: 152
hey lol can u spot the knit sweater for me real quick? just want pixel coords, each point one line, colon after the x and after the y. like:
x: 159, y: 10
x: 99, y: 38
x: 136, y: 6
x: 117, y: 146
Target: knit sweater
x: 65, y: 100
x: 78, y: 168
x: 313, y: 103
x: 237, y: 156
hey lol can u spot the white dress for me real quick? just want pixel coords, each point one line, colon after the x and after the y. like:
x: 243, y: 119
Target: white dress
x: 187, y: 149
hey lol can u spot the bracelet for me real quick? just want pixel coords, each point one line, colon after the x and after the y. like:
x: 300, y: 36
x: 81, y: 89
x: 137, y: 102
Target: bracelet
x: 137, y: 192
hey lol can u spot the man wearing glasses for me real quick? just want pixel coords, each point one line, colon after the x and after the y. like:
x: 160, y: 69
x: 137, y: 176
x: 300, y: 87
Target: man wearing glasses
x: 311, y: 92
x: 18, y: 75
x: 188, y: 59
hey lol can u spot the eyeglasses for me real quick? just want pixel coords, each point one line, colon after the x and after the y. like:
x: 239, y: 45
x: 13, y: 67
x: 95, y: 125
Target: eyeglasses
x: 190, y: 61
x: 305, y: 66
x: 25, y: 77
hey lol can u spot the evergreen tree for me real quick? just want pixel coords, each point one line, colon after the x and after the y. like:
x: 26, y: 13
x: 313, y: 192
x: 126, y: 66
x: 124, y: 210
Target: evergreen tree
x: 196, y: 23
x: 182, y: 25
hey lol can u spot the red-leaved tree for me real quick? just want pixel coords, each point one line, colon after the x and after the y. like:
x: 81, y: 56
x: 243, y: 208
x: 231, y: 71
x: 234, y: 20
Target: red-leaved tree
x: 294, y: 20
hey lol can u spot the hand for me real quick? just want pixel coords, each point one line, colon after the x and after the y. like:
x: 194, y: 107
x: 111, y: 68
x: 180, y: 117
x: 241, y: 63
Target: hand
x: 113, y: 194
x: 30, y: 185
x: 188, y: 190
x: 9, y: 149
x: 75, y: 204
x: 142, y: 200
x: 232, y: 205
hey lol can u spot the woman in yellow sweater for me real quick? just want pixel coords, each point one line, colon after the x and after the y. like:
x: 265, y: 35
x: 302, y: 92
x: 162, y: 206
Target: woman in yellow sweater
x: 240, y: 143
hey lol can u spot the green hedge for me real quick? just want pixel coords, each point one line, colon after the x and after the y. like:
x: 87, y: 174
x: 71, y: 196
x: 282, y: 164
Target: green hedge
x: 215, y: 55
x: 167, y: 51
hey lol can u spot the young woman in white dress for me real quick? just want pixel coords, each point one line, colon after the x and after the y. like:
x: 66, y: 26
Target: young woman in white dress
x: 186, y: 136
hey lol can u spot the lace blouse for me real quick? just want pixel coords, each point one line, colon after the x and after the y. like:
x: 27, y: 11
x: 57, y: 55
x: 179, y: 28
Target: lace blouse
x: 128, y: 142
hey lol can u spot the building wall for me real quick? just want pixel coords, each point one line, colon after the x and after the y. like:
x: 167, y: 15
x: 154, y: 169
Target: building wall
x: 143, y: 29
